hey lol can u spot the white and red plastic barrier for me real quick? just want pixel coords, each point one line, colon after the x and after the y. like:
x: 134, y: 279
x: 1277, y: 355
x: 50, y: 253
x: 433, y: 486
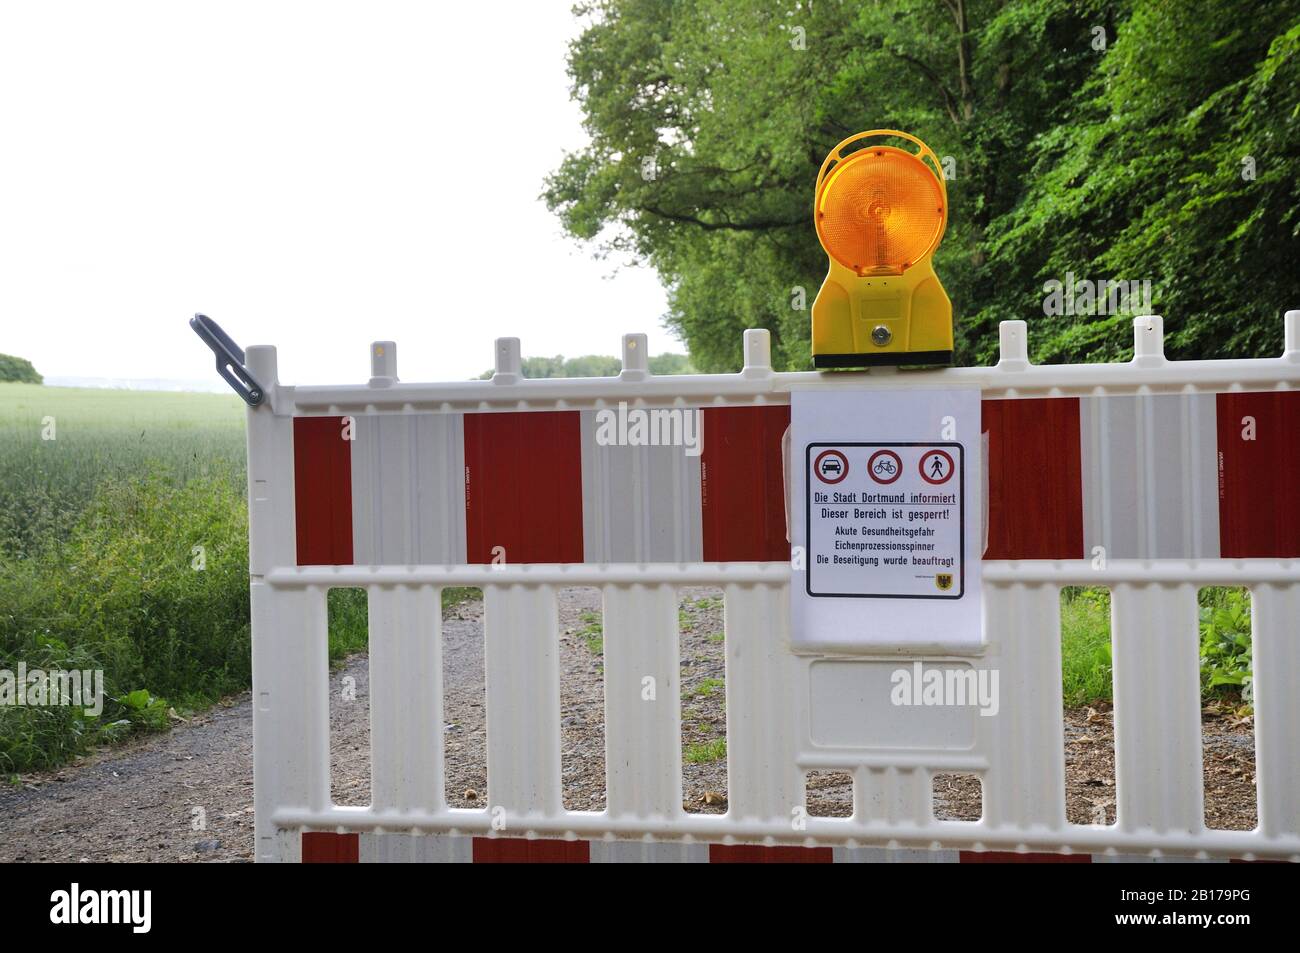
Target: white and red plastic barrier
x: 1182, y: 473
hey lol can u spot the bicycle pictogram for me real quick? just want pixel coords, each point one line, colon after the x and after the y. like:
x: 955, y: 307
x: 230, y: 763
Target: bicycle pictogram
x: 885, y: 466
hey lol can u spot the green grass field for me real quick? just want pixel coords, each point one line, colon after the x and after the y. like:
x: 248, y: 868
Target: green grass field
x: 102, y: 436
x: 104, y: 497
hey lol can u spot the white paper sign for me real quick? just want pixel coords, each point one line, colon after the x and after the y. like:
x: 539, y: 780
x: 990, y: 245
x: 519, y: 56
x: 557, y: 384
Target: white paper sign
x: 887, y: 509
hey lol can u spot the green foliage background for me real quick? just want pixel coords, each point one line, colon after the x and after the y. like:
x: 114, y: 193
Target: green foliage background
x: 596, y: 365
x: 1130, y: 140
x: 18, y: 370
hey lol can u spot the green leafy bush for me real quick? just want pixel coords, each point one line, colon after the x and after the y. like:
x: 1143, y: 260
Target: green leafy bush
x: 123, y: 594
x: 1226, y: 662
x: 1085, y: 645
x: 1225, y: 644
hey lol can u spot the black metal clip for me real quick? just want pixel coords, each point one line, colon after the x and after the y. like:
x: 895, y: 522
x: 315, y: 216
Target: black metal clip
x: 230, y: 359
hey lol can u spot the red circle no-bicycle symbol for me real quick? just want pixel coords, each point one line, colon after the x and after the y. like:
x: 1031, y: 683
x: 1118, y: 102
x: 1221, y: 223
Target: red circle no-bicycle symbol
x: 885, y: 466
x: 936, y: 466
x: 831, y: 466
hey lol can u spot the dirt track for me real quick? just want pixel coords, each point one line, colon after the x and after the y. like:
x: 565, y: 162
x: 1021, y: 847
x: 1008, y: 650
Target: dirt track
x: 145, y: 802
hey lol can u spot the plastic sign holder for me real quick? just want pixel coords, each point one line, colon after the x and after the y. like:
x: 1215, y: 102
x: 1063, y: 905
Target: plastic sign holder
x: 887, y: 507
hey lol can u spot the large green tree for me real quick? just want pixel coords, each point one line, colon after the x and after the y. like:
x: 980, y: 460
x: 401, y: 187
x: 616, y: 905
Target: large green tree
x: 1102, y: 138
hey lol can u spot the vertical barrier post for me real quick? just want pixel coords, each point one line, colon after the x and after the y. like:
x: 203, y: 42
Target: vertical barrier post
x: 636, y: 360
x: 290, y: 667
x: 1149, y: 339
x: 1291, y: 335
x: 509, y: 364
x: 383, y: 364
x: 1013, y: 342
x: 758, y: 353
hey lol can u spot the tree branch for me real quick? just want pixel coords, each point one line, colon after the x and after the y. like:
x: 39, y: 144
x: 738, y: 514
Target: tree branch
x: 757, y: 225
x: 949, y: 101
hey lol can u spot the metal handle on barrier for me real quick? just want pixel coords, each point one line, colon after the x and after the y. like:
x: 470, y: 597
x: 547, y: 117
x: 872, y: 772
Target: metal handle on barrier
x: 230, y: 359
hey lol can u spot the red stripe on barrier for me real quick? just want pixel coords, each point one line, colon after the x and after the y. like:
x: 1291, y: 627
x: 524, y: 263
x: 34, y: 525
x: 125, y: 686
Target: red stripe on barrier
x: 1012, y: 857
x: 523, y: 487
x: 521, y: 850
x: 755, y: 854
x: 322, y: 481
x: 742, y: 484
x: 319, y: 847
x: 1035, y: 476
x: 1259, y: 471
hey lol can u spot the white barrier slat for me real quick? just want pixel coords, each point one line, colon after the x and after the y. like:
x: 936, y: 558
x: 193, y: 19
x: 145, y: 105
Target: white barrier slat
x: 406, y: 742
x: 642, y: 734
x: 894, y: 795
x: 290, y: 709
x: 272, y: 537
x: 1156, y: 663
x: 763, y: 781
x: 415, y: 849
x: 1275, y: 632
x: 272, y: 542
x: 1150, y: 476
x: 408, y: 489
x: 640, y: 503
x: 1027, y: 783
x: 523, y: 701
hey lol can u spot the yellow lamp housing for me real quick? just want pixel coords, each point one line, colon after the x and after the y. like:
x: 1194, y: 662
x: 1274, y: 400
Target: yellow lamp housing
x: 880, y: 212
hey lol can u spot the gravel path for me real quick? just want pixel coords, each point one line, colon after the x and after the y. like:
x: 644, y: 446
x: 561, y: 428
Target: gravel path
x: 188, y: 795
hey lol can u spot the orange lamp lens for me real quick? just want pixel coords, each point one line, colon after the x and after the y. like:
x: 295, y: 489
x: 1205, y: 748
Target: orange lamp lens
x: 880, y: 211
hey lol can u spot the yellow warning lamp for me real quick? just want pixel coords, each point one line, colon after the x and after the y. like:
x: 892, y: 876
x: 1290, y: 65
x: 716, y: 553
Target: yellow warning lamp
x: 880, y: 213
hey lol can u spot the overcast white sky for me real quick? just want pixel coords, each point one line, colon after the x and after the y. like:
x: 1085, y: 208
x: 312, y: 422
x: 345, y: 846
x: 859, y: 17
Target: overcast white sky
x: 312, y: 175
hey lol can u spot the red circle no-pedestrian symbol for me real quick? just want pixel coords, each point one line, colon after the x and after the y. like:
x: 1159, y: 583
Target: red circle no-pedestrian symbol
x: 885, y: 466
x: 936, y: 466
x: 831, y: 466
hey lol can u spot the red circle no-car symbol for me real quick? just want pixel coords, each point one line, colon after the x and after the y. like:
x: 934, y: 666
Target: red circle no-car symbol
x: 936, y: 466
x: 831, y: 466
x: 885, y: 466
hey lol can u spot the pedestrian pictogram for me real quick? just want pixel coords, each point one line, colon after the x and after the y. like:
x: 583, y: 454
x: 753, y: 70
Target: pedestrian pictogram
x: 936, y: 466
x: 885, y: 466
x: 831, y: 466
